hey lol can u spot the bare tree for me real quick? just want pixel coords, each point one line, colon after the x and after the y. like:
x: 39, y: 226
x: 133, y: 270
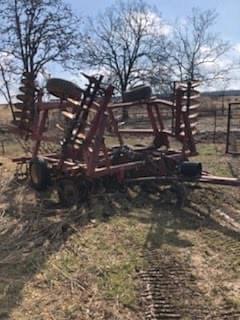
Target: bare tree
x: 36, y: 32
x: 196, y: 49
x: 121, y: 41
x: 5, y: 87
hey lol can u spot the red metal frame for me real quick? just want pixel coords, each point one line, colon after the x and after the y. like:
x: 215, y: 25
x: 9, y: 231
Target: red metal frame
x: 84, y: 151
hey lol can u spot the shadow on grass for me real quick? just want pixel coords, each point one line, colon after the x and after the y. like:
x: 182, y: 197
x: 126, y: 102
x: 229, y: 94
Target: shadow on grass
x: 167, y: 220
x: 34, y: 227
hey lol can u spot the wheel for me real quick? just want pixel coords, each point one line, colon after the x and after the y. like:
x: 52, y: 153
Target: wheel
x: 68, y: 192
x: 137, y: 93
x: 64, y: 89
x: 39, y: 174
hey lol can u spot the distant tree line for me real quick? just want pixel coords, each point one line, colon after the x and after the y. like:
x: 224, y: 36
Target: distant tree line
x: 129, y: 43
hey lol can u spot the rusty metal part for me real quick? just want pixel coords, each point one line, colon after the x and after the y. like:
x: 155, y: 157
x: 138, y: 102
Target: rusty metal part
x: 22, y: 172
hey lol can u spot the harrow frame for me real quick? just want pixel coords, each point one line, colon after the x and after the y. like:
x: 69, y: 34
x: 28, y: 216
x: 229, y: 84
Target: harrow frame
x: 84, y: 155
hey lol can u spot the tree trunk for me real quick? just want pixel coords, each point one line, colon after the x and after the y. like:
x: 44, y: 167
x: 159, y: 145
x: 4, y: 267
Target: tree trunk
x: 125, y: 115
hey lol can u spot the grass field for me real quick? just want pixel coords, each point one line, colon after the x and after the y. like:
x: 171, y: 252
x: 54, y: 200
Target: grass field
x: 95, y: 261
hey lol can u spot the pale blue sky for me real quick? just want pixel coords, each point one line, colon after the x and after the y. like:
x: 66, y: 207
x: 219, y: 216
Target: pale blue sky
x: 228, y: 23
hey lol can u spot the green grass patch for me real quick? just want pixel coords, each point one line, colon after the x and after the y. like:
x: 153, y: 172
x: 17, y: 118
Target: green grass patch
x: 213, y: 159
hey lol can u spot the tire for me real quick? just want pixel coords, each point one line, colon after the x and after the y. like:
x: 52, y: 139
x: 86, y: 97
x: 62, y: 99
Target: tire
x: 64, y: 89
x: 137, y: 93
x: 39, y: 174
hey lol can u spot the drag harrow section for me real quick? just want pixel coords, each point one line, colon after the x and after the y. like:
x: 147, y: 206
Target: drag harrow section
x: 170, y: 291
x: 167, y: 286
x: 228, y: 314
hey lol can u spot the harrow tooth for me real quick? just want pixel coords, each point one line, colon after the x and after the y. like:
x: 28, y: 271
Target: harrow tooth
x: 24, y: 89
x: 183, y: 86
x: 24, y: 97
x: 26, y: 114
x: 58, y: 126
x: 194, y: 132
x: 27, y: 83
x: 192, y: 125
x: 81, y: 136
x: 19, y: 106
x: 193, y: 94
x: 68, y: 115
x: 18, y: 114
x: 196, y: 96
x: 76, y: 146
x: 195, y: 83
x: 78, y: 142
x: 193, y: 116
x: 73, y: 102
x: 75, y: 131
x: 190, y: 108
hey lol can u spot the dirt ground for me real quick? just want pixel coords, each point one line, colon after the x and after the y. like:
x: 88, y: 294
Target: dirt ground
x: 122, y: 255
